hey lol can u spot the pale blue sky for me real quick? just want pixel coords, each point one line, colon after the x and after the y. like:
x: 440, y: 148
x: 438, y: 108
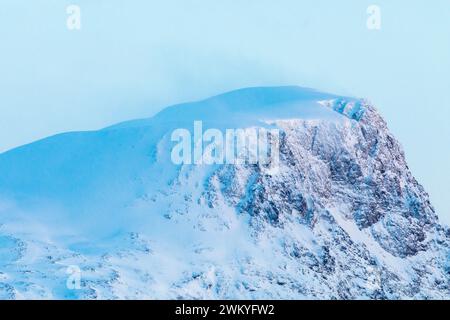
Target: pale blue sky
x: 133, y: 57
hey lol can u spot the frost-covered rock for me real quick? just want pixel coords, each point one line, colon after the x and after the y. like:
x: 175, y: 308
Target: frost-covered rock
x: 341, y: 218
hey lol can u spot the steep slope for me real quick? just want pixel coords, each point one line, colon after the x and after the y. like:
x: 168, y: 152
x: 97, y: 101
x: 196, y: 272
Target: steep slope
x: 342, y: 217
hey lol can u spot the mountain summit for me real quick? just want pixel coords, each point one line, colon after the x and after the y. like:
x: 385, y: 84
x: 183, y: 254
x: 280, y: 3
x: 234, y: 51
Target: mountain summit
x: 107, y: 215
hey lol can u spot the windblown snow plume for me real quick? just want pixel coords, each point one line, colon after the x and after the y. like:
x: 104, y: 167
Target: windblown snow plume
x: 108, y: 215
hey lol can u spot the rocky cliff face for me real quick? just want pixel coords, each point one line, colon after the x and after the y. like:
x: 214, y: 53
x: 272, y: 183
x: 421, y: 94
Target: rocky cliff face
x: 341, y: 218
x: 350, y: 186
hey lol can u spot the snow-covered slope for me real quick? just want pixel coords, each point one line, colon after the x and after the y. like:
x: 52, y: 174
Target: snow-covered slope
x: 342, y: 217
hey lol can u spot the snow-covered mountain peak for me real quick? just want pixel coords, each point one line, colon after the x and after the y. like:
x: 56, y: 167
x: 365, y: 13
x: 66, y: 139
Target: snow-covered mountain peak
x: 343, y: 217
x: 249, y: 105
